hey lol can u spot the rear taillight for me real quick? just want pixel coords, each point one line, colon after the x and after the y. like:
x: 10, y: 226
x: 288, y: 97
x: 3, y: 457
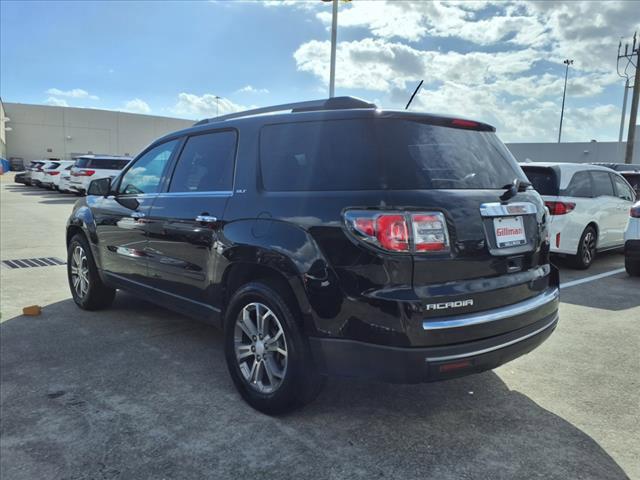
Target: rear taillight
x: 635, y: 211
x: 83, y: 173
x: 400, y: 231
x: 560, y: 208
x: 53, y: 173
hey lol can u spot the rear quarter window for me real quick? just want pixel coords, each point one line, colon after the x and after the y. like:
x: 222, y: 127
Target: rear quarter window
x: 579, y: 186
x: 544, y: 179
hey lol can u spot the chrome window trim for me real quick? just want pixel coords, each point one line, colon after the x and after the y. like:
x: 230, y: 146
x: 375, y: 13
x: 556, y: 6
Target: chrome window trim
x: 501, y: 313
x: 221, y: 193
x: 497, y: 209
x: 494, y: 347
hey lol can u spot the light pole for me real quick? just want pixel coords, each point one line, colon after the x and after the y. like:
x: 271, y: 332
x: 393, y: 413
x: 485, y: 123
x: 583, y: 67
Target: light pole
x: 217, y: 106
x: 567, y: 62
x: 334, y: 34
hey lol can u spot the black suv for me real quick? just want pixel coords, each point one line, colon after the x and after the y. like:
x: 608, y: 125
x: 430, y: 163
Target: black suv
x: 333, y: 239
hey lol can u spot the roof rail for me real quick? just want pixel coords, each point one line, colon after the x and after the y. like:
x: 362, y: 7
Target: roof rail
x: 335, y: 103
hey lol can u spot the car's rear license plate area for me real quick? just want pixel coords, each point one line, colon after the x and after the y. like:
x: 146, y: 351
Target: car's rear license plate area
x: 509, y: 231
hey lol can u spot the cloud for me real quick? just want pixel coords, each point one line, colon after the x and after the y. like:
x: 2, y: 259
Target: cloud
x: 56, y: 102
x: 251, y: 89
x: 207, y: 105
x: 137, y: 106
x: 77, y: 93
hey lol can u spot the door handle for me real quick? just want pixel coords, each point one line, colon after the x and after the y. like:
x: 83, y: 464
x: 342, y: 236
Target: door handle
x: 138, y: 215
x: 206, y: 219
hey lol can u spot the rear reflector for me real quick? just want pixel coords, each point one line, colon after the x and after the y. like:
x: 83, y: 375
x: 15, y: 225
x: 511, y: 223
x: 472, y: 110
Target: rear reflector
x: 558, y: 240
x: 449, y: 367
x: 421, y: 232
x: 560, y: 208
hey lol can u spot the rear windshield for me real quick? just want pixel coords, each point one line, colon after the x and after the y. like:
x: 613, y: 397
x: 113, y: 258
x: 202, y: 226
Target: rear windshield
x: 105, y: 163
x: 382, y: 154
x: 543, y: 179
x: 53, y: 165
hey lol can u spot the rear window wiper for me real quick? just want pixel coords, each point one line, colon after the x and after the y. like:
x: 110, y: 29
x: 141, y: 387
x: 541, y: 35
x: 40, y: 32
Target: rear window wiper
x: 513, y: 188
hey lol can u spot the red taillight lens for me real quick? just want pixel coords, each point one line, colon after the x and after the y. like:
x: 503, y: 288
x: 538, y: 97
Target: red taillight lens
x: 392, y: 232
x: 399, y: 231
x: 635, y: 211
x: 83, y: 173
x: 560, y: 208
x: 459, y: 122
x: 53, y: 173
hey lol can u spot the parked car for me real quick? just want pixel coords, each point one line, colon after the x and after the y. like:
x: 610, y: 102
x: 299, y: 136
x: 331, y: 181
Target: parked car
x: 20, y: 178
x: 630, y: 172
x: 337, y: 239
x: 588, y: 207
x: 634, y: 180
x: 632, y: 242
x: 51, y: 178
x: 92, y: 167
x: 39, y: 172
x: 33, y: 165
x: 64, y: 184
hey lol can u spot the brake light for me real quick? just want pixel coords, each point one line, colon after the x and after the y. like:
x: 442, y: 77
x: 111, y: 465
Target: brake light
x: 560, y: 208
x: 400, y: 231
x: 393, y: 233
x: 83, y: 173
x: 635, y: 211
x: 459, y: 122
x: 53, y: 173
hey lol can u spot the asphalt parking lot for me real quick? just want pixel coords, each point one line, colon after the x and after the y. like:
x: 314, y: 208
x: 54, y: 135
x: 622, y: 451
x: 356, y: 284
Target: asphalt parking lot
x: 140, y: 392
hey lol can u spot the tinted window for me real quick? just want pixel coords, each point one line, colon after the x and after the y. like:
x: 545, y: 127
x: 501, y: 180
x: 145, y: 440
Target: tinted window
x: 634, y: 181
x: 381, y: 154
x: 145, y: 174
x: 602, y: 184
x: 622, y: 189
x: 543, y: 179
x: 52, y: 166
x: 580, y: 185
x: 205, y: 164
x: 104, y: 163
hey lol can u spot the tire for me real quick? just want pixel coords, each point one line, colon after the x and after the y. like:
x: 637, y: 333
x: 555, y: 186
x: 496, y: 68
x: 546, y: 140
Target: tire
x: 89, y: 293
x: 266, y: 379
x: 632, y: 267
x: 586, y: 249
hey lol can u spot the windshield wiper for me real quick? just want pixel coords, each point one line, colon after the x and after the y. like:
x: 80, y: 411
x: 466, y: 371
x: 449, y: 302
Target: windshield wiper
x: 513, y: 188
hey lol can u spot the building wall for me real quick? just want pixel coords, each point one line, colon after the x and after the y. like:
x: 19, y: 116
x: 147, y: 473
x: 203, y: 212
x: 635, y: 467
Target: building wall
x: 41, y: 131
x: 575, y: 152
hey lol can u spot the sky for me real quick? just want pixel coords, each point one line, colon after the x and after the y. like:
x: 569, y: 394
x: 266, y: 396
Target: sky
x: 498, y: 62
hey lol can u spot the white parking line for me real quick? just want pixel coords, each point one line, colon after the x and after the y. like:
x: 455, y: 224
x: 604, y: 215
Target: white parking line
x: 580, y: 281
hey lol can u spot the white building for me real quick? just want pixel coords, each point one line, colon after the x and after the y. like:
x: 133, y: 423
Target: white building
x: 42, y: 131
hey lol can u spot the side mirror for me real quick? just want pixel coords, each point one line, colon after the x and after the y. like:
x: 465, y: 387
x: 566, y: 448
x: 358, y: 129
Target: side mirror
x: 100, y: 187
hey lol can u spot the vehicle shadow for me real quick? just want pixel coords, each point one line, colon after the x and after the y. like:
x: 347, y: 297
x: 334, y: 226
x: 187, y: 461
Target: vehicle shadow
x: 60, y: 201
x: 139, y: 392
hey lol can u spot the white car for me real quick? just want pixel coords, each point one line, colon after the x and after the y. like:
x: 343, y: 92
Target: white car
x: 588, y: 207
x: 632, y: 242
x: 64, y: 182
x: 51, y: 177
x: 38, y: 173
x: 93, y: 167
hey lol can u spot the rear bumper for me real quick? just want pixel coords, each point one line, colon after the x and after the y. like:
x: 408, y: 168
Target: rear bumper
x: 349, y: 358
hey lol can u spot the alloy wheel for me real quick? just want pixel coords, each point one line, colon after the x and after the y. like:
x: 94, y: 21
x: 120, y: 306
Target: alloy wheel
x: 260, y: 347
x: 588, y: 247
x: 79, y: 272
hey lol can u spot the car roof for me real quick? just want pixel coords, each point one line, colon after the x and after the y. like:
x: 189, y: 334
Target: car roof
x: 103, y: 157
x: 292, y: 115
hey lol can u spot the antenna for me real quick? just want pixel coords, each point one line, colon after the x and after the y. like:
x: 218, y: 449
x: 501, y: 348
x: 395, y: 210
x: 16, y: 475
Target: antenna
x: 414, y: 94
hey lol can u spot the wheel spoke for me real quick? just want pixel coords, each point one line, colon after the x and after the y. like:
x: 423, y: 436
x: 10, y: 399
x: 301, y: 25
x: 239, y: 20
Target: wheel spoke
x: 273, y: 340
x: 243, y: 351
x: 260, y: 321
x: 255, y: 372
x: 281, y: 351
x: 268, y: 370
x: 246, y: 324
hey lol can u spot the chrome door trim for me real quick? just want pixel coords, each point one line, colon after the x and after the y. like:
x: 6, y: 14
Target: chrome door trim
x: 549, y: 296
